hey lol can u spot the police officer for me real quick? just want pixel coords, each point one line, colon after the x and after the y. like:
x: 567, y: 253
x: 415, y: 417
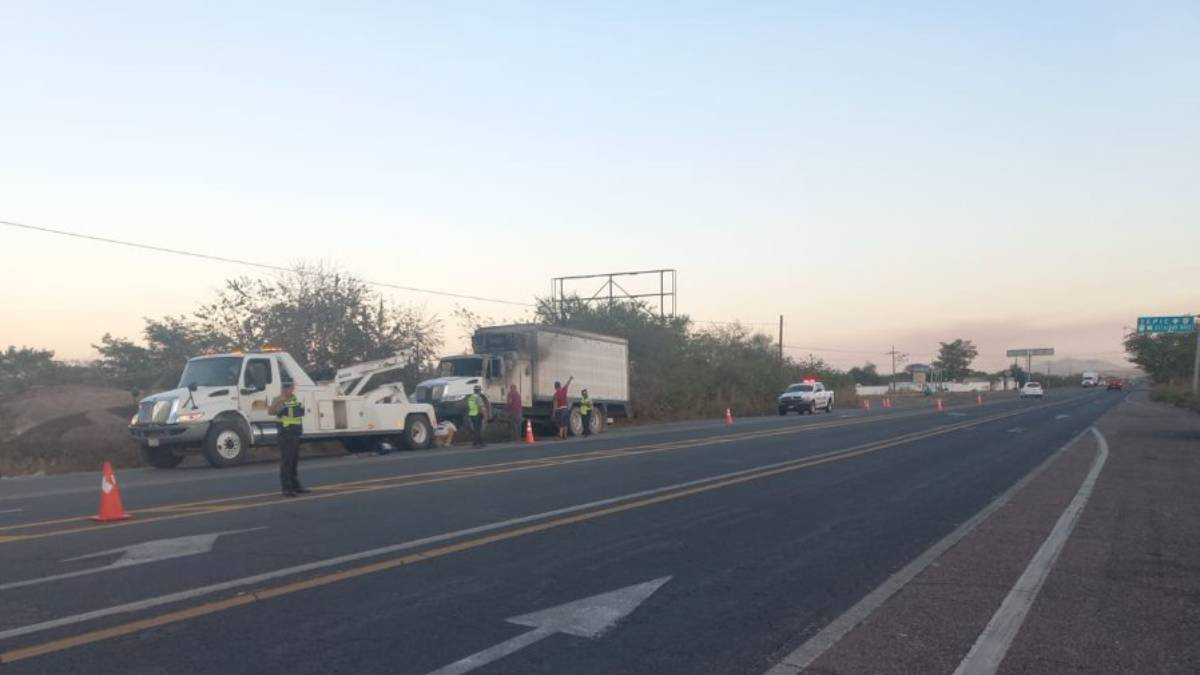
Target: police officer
x: 291, y: 421
x: 585, y: 411
x: 475, y: 417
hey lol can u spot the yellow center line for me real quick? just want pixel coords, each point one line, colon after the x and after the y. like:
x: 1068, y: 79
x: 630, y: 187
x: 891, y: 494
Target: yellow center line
x: 466, y: 545
x: 224, y: 505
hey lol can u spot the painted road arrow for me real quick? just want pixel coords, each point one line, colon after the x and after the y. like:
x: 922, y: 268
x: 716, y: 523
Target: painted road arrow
x: 138, y: 554
x: 587, y: 618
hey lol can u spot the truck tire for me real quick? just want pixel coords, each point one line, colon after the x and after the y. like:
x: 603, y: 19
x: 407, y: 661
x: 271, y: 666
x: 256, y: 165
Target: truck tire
x: 160, y: 458
x: 595, y: 424
x: 829, y: 406
x: 418, y: 434
x: 782, y: 412
x: 575, y: 422
x: 226, y: 444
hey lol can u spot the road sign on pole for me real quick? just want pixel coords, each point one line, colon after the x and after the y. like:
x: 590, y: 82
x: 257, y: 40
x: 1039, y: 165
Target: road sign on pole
x: 1184, y: 323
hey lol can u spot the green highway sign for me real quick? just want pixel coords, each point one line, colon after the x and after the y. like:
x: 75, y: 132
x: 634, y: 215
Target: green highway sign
x: 1185, y: 323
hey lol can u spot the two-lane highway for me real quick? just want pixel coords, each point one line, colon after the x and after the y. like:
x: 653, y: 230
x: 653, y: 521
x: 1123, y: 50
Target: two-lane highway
x: 678, y: 548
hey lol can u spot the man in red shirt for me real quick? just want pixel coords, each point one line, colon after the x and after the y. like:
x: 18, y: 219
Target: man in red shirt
x: 562, y: 410
x: 516, y: 411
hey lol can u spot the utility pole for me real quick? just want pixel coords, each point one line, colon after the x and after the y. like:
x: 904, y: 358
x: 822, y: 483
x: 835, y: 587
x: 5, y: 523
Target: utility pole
x: 781, y: 337
x: 894, y: 354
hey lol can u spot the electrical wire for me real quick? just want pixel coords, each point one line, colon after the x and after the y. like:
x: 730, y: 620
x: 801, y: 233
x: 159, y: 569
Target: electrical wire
x: 249, y: 263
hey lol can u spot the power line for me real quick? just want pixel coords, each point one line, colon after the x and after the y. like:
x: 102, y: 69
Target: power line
x: 248, y: 263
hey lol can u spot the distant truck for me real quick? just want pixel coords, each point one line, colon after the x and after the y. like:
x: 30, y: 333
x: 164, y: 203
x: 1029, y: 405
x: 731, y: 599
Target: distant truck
x: 534, y: 357
x: 1091, y: 378
x: 808, y: 396
x: 219, y: 408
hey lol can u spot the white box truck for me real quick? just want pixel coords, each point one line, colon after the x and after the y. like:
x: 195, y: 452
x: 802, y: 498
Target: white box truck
x: 220, y: 408
x: 1091, y: 378
x: 534, y: 357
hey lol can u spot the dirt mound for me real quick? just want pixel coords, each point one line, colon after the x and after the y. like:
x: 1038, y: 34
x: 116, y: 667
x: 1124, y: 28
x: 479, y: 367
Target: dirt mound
x: 39, y: 405
x: 66, y: 428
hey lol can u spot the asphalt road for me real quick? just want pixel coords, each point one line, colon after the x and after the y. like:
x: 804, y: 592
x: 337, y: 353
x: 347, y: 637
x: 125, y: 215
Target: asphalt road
x: 727, y: 547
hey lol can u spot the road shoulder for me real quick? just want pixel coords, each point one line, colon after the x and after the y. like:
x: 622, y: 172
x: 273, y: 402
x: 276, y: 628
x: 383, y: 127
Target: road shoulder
x: 1124, y: 596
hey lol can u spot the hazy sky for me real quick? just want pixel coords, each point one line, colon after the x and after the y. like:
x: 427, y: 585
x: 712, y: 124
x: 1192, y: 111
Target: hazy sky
x: 1020, y: 174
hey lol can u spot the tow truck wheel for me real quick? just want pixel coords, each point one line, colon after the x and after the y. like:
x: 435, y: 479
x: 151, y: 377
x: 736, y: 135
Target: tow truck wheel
x: 160, y: 458
x: 226, y: 444
x: 418, y: 435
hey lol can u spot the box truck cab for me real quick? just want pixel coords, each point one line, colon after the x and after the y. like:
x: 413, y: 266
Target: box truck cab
x: 533, y: 357
x: 220, y: 408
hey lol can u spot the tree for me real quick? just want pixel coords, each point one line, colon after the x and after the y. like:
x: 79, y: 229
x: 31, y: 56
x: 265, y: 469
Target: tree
x: 20, y: 368
x: 170, y: 342
x: 866, y: 375
x: 954, y: 359
x: 1166, y: 358
x: 325, y: 318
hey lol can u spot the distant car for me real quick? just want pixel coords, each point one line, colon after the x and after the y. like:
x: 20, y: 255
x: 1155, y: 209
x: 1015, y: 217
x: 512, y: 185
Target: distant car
x: 1115, y: 384
x: 808, y: 396
x: 1032, y: 390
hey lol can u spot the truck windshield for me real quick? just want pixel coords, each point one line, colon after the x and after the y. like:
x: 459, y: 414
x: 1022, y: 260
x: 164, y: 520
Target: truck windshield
x: 222, y: 371
x: 800, y: 387
x: 461, y: 368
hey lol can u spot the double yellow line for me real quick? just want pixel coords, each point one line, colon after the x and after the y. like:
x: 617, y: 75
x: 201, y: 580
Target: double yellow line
x: 280, y: 590
x: 77, y: 524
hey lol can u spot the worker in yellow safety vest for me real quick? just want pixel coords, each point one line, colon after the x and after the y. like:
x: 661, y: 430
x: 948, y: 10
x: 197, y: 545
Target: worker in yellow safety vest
x: 475, y: 417
x: 291, y: 425
x: 585, y: 412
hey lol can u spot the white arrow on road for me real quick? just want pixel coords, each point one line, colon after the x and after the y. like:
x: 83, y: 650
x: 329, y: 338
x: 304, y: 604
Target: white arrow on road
x: 588, y: 618
x: 138, y: 554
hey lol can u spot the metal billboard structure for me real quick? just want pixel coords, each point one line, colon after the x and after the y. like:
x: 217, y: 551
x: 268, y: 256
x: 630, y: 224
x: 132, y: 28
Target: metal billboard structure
x: 613, y: 289
x: 1029, y: 354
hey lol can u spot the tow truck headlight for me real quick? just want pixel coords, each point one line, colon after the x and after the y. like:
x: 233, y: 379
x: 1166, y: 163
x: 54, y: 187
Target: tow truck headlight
x: 133, y: 420
x: 190, y: 416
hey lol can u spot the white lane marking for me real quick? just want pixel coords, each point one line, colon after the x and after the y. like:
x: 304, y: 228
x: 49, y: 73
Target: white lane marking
x: 1015, y: 430
x: 137, y: 554
x: 12, y: 510
x: 375, y: 552
x: 587, y: 618
x: 820, y: 643
x: 957, y: 414
x: 993, y: 643
x: 1061, y: 416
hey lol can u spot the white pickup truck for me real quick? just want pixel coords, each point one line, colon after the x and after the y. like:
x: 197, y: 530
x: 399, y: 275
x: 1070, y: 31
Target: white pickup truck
x: 220, y: 408
x: 808, y: 396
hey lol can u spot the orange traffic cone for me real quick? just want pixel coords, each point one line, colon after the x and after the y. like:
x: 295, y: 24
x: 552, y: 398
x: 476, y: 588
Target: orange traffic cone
x: 866, y: 404
x: 110, y: 497
x: 529, y: 432
x: 728, y: 416
x: 939, y: 405
x: 978, y: 399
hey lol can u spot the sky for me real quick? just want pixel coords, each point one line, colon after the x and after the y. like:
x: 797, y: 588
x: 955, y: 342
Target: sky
x: 879, y: 173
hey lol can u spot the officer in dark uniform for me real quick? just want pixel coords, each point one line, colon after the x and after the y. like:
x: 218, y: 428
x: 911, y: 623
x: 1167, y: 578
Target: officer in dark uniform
x: 291, y: 425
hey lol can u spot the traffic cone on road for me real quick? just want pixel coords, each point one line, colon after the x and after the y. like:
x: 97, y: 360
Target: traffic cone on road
x: 887, y: 402
x: 978, y: 399
x: 939, y: 405
x: 728, y: 416
x: 529, y: 432
x: 866, y: 404
x: 110, y: 497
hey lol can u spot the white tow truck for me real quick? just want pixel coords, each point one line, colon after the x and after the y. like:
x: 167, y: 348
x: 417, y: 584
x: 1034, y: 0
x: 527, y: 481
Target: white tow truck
x: 219, y: 408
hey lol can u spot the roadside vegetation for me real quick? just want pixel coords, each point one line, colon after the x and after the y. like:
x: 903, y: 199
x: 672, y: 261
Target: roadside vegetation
x: 1167, y: 359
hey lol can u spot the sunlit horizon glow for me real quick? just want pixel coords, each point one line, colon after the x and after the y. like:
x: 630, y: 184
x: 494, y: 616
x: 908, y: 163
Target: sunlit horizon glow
x: 1020, y: 175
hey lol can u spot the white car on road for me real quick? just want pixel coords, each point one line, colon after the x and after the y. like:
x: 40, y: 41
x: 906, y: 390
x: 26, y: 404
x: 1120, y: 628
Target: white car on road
x: 1032, y: 390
